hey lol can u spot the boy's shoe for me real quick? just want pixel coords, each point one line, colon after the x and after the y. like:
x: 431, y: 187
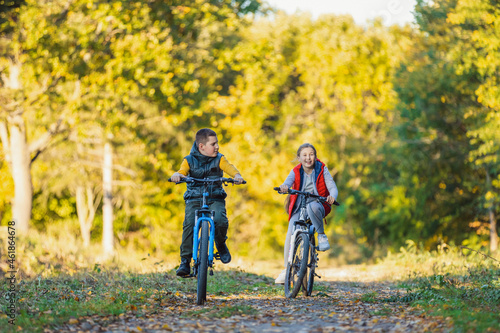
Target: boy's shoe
x: 323, y: 244
x: 184, y: 268
x: 224, y: 254
x: 281, y: 278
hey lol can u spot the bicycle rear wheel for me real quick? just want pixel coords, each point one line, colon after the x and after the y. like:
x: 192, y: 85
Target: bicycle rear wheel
x: 313, y: 259
x: 296, y: 270
x: 203, y: 264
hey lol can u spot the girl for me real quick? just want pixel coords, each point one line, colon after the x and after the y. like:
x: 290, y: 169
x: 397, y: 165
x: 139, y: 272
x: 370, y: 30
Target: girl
x: 312, y: 176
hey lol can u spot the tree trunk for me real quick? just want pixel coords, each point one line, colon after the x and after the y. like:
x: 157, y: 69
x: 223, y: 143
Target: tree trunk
x: 86, y: 207
x: 107, y: 208
x: 17, y: 153
x: 82, y: 212
x: 492, y: 218
x: 21, y: 174
x: 493, y: 231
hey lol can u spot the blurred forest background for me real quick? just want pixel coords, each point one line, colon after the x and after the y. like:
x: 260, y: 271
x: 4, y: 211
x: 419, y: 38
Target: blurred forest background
x: 100, y: 101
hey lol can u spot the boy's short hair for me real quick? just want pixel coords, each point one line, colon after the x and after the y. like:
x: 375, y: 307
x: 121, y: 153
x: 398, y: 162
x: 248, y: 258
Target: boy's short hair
x: 203, y: 134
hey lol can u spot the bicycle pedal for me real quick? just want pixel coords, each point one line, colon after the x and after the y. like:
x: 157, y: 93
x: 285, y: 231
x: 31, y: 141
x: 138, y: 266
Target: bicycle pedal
x: 217, y: 256
x: 188, y: 276
x: 211, y: 272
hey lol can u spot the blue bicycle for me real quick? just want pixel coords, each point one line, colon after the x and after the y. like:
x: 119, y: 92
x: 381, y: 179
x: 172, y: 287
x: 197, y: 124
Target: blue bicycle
x: 204, y: 234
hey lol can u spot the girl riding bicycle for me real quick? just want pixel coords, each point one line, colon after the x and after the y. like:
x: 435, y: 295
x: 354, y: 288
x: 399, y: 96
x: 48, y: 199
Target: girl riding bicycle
x: 310, y: 175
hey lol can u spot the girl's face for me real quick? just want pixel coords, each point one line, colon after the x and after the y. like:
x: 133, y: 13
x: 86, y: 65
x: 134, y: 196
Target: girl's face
x: 307, y: 158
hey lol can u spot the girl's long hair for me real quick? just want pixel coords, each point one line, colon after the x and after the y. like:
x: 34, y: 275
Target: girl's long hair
x: 287, y: 203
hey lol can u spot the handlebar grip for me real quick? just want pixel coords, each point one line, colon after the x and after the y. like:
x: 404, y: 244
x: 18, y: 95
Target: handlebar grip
x: 170, y: 179
x: 336, y: 203
x: 276, y: 188
x: 244, y: 182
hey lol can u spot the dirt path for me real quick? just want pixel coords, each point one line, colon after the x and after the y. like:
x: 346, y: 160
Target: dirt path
x: 341, y: 305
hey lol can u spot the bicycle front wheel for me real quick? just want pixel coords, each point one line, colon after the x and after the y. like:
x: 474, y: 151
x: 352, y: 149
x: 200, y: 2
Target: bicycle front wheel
x: 203, y: 264
x: 296, y: 270
x: 313, y: 259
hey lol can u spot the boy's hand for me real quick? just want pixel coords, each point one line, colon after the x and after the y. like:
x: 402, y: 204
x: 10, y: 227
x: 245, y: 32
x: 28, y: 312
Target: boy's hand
x: 284, y: 189
x: 330, y: 200
x: 176, y: 177
x: 238, y: 179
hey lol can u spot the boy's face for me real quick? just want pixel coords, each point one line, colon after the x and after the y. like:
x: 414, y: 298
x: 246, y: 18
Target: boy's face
x: 211, y: 148
x: 307, y: 157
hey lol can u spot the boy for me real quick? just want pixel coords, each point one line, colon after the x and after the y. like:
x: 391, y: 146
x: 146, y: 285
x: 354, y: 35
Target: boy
x: 204, y: 161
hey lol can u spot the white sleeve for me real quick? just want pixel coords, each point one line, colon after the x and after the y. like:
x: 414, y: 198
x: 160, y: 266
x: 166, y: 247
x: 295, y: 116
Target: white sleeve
x: 290, y: 179
x: 330, y: 183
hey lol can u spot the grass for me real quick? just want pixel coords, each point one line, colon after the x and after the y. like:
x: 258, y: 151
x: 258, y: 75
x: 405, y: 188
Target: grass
x: 58, y: 283
x: 472, y: 300
x: 49, y: 302
x: 453, y: 282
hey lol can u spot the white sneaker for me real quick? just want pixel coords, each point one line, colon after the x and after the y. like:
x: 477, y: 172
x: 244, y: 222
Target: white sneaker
x: 281, y: 278
x: 323, y: 244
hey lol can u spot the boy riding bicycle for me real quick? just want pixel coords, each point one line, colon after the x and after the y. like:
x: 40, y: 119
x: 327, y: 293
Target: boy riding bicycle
x: 204, y: 161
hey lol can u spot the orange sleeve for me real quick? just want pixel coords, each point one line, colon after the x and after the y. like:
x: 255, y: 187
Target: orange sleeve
x: 228, y: 167
x: 184, y: 170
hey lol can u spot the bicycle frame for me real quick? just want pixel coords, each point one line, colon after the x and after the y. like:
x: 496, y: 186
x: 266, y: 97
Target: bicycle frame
x: 204, y: 259
x: 205, y: 215
x: 300, y: 227
x: 300, y: 263
x: 204, y: 211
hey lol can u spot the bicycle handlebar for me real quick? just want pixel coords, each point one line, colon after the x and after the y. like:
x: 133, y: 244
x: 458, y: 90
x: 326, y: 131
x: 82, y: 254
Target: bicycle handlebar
x: 207, y: 180
x: 307, y: 194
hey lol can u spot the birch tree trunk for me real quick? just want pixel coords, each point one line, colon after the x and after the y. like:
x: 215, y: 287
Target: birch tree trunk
x: 493, y: 231
x: 17, y: 151
x: 492, y: 218
x: 86, y: 207
x: 107, y: 208
x: 21, y: 174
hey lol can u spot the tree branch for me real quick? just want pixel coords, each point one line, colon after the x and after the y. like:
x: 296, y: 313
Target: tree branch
x: 468, y: 248
x: 38, y: 146
x: 4, y: 138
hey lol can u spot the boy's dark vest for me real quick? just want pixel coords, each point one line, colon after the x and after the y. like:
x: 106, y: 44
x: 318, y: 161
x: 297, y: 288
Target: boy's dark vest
x: 319, y: 182
x: 202, y: 170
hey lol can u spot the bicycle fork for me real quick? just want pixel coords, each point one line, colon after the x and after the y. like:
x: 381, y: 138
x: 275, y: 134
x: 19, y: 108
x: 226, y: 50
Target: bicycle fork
x: 292, y: 244
x: 196, y: 236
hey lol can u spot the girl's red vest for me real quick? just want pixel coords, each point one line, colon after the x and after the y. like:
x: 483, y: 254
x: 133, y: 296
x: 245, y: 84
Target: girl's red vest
x: 320, y: 185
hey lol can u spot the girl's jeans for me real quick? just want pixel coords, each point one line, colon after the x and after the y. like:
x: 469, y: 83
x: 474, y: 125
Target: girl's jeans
x: 316, y: 213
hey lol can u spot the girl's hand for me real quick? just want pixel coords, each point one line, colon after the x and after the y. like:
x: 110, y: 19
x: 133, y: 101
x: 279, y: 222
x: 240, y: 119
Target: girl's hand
x: 284, y: 189
x: 330, y: 200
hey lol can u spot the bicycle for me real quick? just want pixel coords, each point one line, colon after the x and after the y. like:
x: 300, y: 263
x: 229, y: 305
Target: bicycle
x: 204, y: 235
x: 303, y: 250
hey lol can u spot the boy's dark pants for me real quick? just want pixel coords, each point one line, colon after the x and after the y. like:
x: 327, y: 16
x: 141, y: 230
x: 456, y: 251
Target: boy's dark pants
x: 220, y: 219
